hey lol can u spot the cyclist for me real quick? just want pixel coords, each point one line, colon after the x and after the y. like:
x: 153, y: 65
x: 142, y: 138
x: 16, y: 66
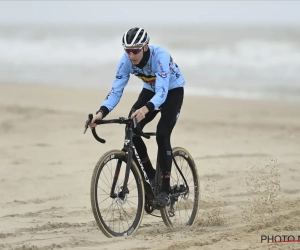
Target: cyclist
x: 163, y: 91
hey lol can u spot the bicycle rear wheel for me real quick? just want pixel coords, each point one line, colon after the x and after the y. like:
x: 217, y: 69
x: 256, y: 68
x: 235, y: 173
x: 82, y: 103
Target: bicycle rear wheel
x: 117, y: 216
x: 184, y: 198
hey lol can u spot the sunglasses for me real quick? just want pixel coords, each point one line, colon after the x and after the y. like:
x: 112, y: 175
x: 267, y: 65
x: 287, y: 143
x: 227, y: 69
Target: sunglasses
x: 134, y: 51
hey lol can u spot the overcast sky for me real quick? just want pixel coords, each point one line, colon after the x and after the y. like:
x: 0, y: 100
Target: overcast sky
x: 253, y: 12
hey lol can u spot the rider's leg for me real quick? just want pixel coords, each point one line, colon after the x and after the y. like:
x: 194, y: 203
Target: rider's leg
x: 139, y: 144
x: 169, y: 114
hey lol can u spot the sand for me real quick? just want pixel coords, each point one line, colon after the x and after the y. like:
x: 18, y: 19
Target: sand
x: 247, y: 154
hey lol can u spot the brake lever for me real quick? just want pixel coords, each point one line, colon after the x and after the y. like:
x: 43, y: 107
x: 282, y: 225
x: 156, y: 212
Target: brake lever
x: 134, y: 122
x: 88, y: 121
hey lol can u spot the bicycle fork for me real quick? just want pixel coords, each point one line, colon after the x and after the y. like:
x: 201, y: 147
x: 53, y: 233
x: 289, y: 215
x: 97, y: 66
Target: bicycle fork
x: 128, y: 145
x: 130, y: 149
x: 124, y: 190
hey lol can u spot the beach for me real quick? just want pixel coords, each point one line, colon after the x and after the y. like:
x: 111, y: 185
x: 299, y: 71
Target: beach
x: 246, y: 152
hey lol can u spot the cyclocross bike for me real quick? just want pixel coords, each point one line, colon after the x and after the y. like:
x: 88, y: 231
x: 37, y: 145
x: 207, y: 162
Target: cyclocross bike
x: 121, y: 190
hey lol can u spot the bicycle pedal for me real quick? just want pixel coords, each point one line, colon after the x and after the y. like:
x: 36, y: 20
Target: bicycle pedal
x: 171, y: 213
x: 149, y: 208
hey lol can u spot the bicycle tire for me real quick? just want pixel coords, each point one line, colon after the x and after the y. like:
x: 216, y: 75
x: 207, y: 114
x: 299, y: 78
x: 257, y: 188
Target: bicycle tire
x: 170, y: 221
x: 100, y: 166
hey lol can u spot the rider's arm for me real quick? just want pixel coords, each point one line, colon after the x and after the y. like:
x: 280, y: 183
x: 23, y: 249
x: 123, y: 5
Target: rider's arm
x: 162, y: 81
x: 114, y: 96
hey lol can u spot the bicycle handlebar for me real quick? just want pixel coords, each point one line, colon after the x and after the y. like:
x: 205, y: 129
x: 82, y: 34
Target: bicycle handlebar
x: 122, y: 120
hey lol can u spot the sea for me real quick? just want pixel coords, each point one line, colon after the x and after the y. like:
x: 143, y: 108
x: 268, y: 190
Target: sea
x: 248, y: 62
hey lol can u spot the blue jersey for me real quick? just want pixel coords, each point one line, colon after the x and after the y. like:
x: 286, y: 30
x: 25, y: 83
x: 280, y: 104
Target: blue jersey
x: 159, y: 75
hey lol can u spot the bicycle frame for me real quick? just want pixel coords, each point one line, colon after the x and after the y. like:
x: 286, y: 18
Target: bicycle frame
x: 129, y: 147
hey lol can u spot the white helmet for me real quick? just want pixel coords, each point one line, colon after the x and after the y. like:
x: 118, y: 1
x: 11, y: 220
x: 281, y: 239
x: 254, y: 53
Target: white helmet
x: 135, y: 37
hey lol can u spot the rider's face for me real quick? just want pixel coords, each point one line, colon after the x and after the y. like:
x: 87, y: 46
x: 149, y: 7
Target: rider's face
x: 135, y: 53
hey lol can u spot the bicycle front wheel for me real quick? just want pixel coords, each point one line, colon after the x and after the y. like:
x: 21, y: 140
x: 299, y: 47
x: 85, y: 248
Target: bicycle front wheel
x: 115, y: 214
x: 184, y: 191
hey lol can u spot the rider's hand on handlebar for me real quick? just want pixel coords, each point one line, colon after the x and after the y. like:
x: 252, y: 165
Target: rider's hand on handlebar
x: 98, y: 116
x: 140, y: 114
